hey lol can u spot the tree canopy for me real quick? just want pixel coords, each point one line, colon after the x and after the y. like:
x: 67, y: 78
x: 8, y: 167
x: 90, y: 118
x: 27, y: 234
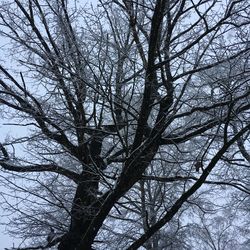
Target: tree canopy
x: 136, y: 117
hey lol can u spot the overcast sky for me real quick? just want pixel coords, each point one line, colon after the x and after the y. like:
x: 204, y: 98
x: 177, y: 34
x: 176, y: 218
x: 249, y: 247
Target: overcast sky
x: 5, y: 240
x: 5, y: 130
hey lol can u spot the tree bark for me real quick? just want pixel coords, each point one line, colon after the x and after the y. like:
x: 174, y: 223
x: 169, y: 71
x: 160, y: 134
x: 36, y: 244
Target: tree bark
x: 84, y: 208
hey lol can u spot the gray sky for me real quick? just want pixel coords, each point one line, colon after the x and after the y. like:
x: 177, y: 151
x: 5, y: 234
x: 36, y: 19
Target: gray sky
x: 5, y: 130
x: 5, y: 240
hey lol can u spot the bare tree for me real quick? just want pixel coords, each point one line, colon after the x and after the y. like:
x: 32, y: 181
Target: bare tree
x: 216, y: 233
x: 136, y: 112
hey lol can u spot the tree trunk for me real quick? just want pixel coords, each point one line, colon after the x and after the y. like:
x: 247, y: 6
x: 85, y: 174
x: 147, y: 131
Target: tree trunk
x: 83, y: 210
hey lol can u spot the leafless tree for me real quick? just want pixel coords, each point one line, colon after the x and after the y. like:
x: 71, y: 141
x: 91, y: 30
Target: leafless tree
x: 216, y: 233
x: 136, y: 113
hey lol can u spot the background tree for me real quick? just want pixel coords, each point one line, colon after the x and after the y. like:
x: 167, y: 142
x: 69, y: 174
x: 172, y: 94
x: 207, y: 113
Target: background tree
x: 137, y: 117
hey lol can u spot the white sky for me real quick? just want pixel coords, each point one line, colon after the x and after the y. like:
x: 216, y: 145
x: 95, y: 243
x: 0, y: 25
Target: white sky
x: 5, y: 130
x: 5, y: 240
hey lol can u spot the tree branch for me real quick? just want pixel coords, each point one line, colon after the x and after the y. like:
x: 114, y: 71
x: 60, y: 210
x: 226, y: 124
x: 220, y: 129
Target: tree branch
x: 5, y: 163
x: 177, y: 205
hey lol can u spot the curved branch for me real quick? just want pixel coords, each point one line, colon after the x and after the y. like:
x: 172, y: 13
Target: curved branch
x: 184, y: 197
x: 37, y: 168
x: 241, y: 146
x: 5, y: 153
x: 192, y: 178
x: 48, y: 246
